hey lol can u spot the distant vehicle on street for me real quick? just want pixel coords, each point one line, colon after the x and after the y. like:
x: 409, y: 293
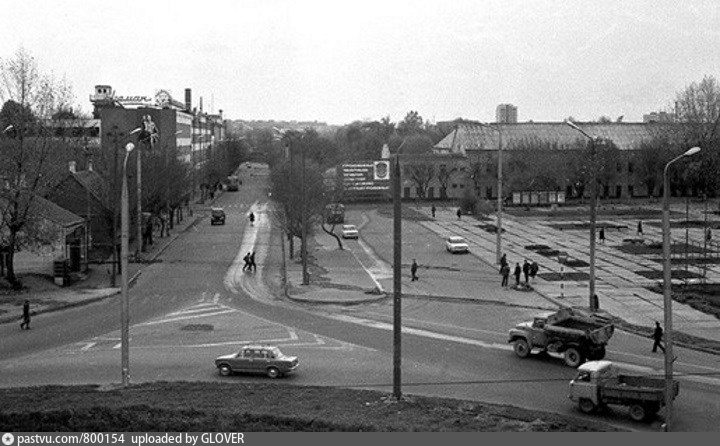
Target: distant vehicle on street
x: 349, y: 231
x: 599, y: 384
x: 261, y: 359
x: 217, y: 216
x: 577, y: 336
x: 456, y: 244
x: 233, y: 184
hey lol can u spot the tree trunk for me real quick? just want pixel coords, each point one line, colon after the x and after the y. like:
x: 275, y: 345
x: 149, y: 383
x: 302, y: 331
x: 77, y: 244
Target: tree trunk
x: 331, y: 233
x: 291, y: 241
x: 11, y: 260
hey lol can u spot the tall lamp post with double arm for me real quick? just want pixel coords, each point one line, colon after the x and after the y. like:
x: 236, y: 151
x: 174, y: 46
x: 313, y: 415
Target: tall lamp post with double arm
x: 667, y: 292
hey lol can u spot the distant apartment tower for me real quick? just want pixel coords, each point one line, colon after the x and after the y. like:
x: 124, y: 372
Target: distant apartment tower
x: 506, y: 114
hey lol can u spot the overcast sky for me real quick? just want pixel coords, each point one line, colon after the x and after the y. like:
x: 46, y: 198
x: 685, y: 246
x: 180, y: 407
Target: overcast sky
x: 339, y: 61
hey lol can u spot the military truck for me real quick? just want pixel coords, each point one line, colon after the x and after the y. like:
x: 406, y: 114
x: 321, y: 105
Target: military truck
x: 599, y: 384
x: 575, y: 335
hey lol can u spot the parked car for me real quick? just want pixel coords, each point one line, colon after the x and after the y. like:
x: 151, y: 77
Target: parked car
x: 217, y: 216
x: 456, y: 244
x: 598, y: 384
x: 265, y: 359
x: 349, y: 231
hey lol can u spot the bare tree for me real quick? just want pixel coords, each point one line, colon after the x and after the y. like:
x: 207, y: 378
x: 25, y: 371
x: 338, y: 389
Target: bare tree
x: 27, y: 151
x: 421, y: 174
x: 445, y: 172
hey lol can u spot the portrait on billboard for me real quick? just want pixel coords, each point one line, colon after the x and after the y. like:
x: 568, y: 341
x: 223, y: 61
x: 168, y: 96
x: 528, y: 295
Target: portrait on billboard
x: 381, y: 170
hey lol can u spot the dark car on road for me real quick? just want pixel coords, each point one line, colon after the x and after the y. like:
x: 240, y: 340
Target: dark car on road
x: 262, y: 359
x: 217, y: 216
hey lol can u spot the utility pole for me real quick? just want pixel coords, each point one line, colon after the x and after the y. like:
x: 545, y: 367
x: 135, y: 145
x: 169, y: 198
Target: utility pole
x: 397, y: 275
x: 593, y: 223
x: 88, y: 236
x: 303, y: 246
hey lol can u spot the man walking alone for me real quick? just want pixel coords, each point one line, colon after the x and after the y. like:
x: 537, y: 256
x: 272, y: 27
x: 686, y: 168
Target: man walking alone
x: 413, y: 271
x: 25, y: 324
x: 657, y: 336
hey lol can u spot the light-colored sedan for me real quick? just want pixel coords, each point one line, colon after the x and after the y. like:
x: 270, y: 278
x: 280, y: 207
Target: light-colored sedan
x: 456, y: 244
x: 349, y: 231
x: 265, y: 359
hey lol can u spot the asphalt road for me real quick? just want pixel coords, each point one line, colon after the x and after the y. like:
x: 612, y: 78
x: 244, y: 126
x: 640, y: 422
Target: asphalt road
x: 185, y: 313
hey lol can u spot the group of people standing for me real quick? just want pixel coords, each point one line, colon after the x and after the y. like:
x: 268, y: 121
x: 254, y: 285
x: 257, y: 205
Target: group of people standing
x: 528, y: 269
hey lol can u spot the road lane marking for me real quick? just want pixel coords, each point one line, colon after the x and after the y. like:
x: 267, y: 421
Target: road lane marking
x: 88, y: 346
x: 190, y: 316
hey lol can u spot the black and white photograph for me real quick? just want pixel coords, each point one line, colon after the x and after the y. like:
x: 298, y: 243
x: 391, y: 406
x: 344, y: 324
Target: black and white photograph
x: 227, y: 219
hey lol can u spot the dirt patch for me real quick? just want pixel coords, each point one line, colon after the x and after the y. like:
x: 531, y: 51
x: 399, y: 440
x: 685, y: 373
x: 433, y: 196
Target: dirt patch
x: 260, y: 407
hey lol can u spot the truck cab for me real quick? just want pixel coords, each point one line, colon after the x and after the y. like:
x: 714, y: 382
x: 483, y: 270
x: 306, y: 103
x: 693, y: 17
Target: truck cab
x: 585, y: 384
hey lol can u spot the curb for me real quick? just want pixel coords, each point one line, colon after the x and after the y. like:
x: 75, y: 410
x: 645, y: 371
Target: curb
x: 131, y: 281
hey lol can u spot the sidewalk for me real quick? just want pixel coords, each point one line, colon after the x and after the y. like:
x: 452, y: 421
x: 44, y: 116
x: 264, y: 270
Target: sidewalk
x: 350, y: 276
x: 45, y: 296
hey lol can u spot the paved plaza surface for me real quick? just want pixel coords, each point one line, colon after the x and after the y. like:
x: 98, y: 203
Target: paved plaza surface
x: 622, y: 275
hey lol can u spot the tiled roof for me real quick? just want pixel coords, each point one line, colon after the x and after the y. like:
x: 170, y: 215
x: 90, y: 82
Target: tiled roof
x: 49, y: 210
x: 471, y: 136
x: 42, y: 208
x: 93, y: 182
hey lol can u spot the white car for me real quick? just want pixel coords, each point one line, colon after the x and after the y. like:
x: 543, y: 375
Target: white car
x: 349, y: 231
x: 456, y: 244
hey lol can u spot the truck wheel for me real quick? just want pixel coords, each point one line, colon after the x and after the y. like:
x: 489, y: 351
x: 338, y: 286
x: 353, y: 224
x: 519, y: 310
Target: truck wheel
x: 638, y: 412
x: 521, y: 347
x: 573, y: 357
x: 586, y: 405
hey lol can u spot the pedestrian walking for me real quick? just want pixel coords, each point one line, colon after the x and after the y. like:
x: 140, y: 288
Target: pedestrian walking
x: 503, y: 261
x: 432, y: 211
x: 413, y: 271
x: 25, y: 324
x: 251, y: 217
x: 505, y: 272
x: 459, y: 214
x: 602, y: 235
x: 518, y: 270
x: 534, y: 268
x: 247, y: 262
x: 657, y: 336
x: 252, y: 261
x: 639, y: 229
x: 526, y: 271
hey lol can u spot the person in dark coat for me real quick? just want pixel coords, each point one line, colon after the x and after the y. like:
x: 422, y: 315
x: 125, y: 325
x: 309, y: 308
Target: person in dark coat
x: 505, y: 272
x: 518, y: 270
x: 657, y: 336
x: 534, y: 268
x: 247, y: 262
x: 602, y: 235
x: 503, y: 261
x: 251, y: 217
x: 459, y: 214
x: 252, y: 261
x: 432, y: 211
x: 640, y: 228
x: 526, y: 271
x: 413, y: 271
x: 25, y: 324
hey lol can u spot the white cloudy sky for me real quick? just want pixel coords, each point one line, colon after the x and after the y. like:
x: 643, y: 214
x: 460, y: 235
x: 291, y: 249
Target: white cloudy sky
x: 338, y: 61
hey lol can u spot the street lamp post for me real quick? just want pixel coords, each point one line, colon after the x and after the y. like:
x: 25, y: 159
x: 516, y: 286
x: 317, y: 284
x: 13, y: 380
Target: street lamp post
x: 667, y: 294
x: 125, y: 313
x: 593, y: 215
